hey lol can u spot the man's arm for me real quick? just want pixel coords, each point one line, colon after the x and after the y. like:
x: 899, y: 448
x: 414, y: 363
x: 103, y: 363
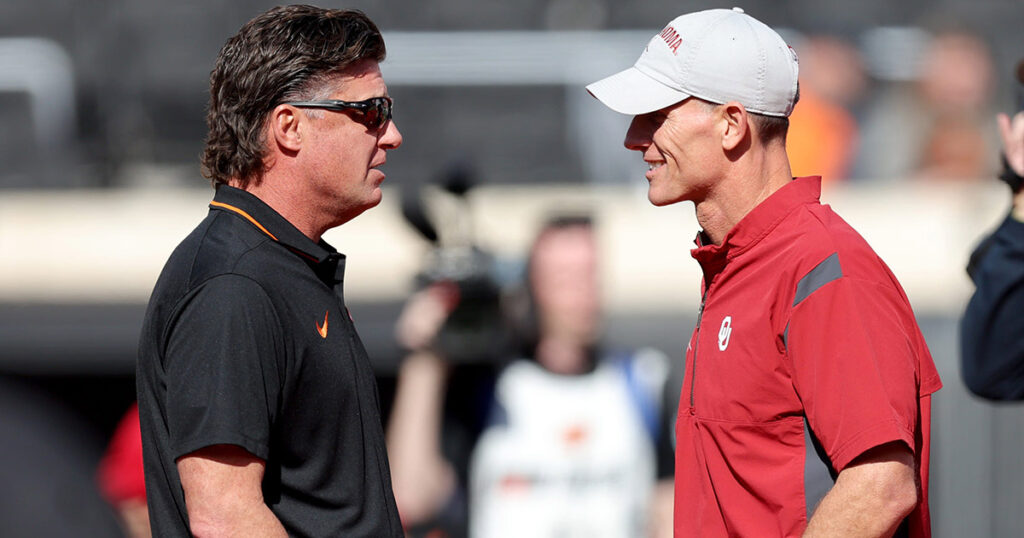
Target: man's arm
x: 224, y: 495
x: 423, y: 480
x: 662, y: 497
x: 992, y: 345
x: 871, y: 496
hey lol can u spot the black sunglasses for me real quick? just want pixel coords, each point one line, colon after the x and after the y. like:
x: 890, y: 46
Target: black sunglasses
x: 376, y: 111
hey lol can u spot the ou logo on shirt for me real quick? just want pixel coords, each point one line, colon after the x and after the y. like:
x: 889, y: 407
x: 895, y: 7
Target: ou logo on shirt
x: 724, y: 333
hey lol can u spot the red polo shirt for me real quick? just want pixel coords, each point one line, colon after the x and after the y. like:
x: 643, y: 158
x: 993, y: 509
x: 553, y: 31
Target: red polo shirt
x: 804, y: 338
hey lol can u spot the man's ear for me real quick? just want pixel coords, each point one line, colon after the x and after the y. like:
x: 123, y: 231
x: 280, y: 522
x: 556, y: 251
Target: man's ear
x: 734, y: 116
x: 285, y: 128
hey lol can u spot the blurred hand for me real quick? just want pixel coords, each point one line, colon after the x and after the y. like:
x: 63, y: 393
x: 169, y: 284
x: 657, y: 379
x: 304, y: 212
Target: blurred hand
x: 424, y: 315
x: 661, y: 509
x: 135, y: 517
x: 1012, y: 133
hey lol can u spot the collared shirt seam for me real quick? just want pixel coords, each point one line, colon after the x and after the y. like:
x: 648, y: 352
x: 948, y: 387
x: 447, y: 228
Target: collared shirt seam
x: 189, y: 292
x: 790, y: 212
x: 275, y: 234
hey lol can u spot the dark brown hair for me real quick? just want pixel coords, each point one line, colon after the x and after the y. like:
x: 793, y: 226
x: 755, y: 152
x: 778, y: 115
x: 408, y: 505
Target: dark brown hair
x: 285, y: 54
x: 771, y: 128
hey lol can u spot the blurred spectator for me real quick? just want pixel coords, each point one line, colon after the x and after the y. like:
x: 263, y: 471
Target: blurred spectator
x: 939, y: 127
x: 569, y: 447
x: 49, y: 491
x: 121, y: 477
x: 992, y: 329
x: 823, y: 133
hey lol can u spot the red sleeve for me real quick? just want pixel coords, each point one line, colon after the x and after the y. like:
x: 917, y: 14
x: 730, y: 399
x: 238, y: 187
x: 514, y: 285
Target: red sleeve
x: 120, y: 473
x: 854, y: 367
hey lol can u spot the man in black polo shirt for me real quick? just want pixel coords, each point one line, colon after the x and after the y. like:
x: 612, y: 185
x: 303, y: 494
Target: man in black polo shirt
x: 258, y: 406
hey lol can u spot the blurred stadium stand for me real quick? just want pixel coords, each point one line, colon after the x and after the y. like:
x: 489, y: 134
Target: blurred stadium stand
x: 140, y: 73
x: 99, y: 179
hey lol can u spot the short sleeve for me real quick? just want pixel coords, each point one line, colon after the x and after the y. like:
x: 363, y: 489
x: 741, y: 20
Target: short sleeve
x: 221, y: 368
x: 854, y: 367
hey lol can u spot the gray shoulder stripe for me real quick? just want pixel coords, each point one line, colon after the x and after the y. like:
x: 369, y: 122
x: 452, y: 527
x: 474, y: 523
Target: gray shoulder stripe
x: 825, y: 272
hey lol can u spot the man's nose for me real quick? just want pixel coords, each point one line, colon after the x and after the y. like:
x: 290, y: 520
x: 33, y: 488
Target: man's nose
x: 638, y: 136
x: 392, y: 137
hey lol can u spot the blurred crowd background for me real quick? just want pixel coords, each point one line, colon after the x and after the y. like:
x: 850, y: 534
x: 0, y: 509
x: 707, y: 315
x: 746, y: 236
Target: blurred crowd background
x: 102, y: 121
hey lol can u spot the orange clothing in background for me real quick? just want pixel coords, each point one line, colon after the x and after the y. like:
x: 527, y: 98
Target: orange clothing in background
x: 822, y: 138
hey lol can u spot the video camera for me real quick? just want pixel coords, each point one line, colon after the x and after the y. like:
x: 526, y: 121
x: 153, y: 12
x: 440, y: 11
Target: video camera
x: 474, y: 331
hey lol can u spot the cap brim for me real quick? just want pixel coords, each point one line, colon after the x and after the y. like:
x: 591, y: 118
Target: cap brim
x: 632, y: 92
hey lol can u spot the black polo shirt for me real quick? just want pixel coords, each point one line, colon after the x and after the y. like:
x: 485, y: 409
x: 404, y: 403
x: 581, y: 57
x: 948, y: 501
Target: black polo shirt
x: 247, y: 341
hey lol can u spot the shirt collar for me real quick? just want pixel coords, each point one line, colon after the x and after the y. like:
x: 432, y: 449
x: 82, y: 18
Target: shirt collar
x: 756, y: 224
x: 270, y: 222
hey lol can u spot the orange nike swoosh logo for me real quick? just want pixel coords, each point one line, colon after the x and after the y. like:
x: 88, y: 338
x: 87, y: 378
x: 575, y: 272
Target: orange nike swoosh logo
x: 322, y: 329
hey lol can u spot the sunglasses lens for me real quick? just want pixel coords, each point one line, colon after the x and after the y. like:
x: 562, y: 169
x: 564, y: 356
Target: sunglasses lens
x: 374, y: 116
x: 379, y: 112
x: 374, y: 112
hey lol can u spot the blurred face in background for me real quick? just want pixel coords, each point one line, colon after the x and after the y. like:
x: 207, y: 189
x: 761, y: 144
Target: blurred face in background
x: 957, y: 75
x: 564, y: 280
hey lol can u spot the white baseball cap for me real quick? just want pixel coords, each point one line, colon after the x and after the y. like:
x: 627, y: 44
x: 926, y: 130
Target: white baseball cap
x: 717, y: 55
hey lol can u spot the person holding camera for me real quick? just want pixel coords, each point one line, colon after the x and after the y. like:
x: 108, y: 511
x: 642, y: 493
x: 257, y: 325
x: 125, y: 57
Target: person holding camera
x: 568, y: 443
x: 992, y: 328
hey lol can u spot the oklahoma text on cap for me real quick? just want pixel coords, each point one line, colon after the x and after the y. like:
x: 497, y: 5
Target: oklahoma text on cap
x: 718, y: 55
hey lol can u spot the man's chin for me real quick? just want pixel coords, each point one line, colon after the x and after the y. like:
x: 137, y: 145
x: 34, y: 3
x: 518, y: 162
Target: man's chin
x: 376, y: 197
x: 661, y: 199
x: 351, y: 210
x: 372, y: 201
x: 658, y: 200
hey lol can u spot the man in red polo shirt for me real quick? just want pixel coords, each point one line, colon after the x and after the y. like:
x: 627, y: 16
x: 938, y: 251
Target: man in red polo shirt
x: 806, y: 350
